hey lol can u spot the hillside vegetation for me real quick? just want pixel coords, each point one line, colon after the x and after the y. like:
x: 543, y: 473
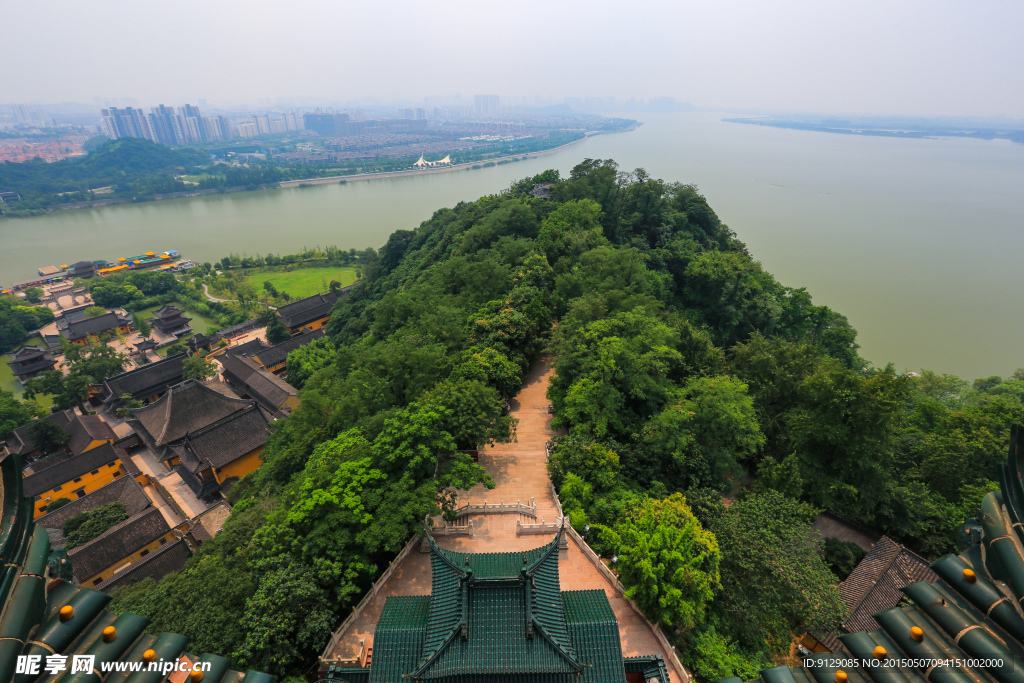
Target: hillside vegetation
x: 684, y: 371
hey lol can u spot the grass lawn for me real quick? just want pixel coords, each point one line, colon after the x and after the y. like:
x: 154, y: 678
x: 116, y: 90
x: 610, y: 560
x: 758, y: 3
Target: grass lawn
x: 302, y: 282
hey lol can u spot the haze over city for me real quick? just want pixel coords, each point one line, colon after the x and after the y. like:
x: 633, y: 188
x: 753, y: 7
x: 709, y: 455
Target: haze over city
x: 909, y: 58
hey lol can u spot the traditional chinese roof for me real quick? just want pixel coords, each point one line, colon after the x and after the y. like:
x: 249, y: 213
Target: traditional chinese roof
x: 84, y: 429
x: 167, y: 559
x: 499, y: 617
x: 968, y: 610
x: 32, y: 595
x: 169, y: 318
x: 186, y: 407
x: 249, y: 348
x: 77, y: 329
x: 875, y: 585
x: 67, y: 470
x: 29, y: 359
x: 145, y: 345
x: 21, y: 443
x: 166, y: 311
x: 223, y: 441
x: 123, y: 490
x: 307, y: 310
x: 269, y: 390
x: 146, y: 380
x: 117, y: 543
x: 278, y: 353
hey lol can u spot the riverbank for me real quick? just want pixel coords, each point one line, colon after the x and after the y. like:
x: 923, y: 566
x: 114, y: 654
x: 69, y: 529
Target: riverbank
x: 186, y: 194
x: 469, y: 165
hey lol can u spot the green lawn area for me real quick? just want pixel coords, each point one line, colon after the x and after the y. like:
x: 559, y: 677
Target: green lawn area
x: 302, y: 282
x: 9, y: 382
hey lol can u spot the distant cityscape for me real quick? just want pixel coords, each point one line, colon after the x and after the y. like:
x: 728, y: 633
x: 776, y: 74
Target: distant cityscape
x: 440, y: 125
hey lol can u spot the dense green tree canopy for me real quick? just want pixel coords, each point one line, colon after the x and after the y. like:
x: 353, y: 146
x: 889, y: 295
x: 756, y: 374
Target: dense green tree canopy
x: 686, y: 378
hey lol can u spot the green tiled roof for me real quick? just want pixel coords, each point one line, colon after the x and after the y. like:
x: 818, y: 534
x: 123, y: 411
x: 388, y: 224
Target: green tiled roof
x: 400, y: 633
x: 973, y: 611
x: 31, y: 601
x: 496, y: 618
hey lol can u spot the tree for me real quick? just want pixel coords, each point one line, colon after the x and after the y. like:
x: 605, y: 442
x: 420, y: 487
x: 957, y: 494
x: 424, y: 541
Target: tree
x: 667, y: 562
x: 842, y: 556
x: 199, y: 368
x: 175, y: 348
x: 245, y: 291
x: 82, y: 528
x: 774, y: 580
x: 490, y: 365
x: 304, y: 361
x: 569, y: 231
x: 615, y: 373
x: 276, y: 331
x: 594, y: 462
x: 57, y: 504
x: 47, y: 436
x: 14, y: 413
x: 128, y: 403
x: 32, y: 294
x: 842, y: 431
x: 142, y: 325
x: 286, y: 622
x: 111, y: 293
x: 698, y: 440
x: 475, y: 413
x: 86, y: 365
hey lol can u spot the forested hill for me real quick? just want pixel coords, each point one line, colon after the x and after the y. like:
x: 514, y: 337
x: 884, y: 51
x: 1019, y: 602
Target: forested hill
x: 126, y: 165
x: 684, y: 371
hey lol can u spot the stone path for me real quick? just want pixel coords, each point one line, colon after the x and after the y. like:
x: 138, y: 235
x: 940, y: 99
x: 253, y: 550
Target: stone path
x: 519, y: 470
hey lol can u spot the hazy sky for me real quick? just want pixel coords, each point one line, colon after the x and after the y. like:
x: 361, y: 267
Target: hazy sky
x: 922, y: 57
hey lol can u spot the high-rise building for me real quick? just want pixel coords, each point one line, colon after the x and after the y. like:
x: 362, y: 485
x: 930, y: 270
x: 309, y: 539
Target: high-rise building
x: 248, y: 129
x: 126, y: 123
x: 192, y: 123
x: 169, y: 129
x: 486, y: 105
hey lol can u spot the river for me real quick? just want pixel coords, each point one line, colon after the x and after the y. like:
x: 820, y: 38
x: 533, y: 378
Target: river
x: 916, y: 241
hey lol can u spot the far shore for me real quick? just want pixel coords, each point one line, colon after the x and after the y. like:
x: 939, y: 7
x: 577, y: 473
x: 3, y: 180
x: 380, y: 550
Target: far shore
x: 425, y: 171
x: 114, y: 201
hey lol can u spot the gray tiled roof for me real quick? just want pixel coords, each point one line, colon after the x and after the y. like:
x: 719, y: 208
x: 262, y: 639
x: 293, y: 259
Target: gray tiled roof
x: 21, y: 441
x: 84, y: 429
x: 98, y: 325
x: 63, y: 472
x: 29, y: 359
x: 267, y: 388
x: 249, y: 348
x: 875, y: 583
x: 306, y: 310
x: 279, y: 353
x: 167, y: 559
x: 146, y: 380
x: 124, y: 490
x: 117, y: 543
x: 230, y: 438
x: 48, y: 461
x: 185, y: 408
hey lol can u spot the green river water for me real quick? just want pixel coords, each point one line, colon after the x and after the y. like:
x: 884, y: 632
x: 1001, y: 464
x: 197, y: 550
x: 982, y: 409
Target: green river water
x: 916, y: 241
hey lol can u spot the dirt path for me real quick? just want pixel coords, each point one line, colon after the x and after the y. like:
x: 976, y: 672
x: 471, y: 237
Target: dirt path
x: 520, y: 473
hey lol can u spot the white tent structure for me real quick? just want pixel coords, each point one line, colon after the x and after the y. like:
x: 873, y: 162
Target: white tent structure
x: 423, y: 163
